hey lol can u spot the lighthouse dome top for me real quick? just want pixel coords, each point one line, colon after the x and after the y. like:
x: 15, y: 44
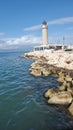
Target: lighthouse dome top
x: 44, y: 22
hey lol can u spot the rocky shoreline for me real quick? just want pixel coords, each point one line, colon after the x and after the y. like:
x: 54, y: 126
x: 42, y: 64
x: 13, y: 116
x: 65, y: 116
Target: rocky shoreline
x: 63, y: 94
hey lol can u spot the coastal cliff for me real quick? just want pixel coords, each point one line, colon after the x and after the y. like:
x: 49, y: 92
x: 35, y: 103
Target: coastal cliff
x: 60, y: 64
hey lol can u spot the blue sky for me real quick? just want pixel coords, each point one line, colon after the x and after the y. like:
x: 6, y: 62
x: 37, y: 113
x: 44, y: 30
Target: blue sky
x: 20, y: 22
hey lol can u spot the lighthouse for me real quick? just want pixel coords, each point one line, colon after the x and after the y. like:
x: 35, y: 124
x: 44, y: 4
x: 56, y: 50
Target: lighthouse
x: 44, y: 33
x: 45, y: 45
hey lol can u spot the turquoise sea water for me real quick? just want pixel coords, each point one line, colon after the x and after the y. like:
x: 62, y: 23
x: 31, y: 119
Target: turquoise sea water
x: 22, y: 104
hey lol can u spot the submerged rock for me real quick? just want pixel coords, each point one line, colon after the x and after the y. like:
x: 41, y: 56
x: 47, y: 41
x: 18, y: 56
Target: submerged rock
x: 61, y: 98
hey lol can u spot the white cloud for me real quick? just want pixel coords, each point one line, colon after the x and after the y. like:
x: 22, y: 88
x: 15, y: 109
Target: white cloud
x: 19, y: 42
x: 32, y: 28
x: 57, y: 21
x: 26, y: 39
x: 62, y: 21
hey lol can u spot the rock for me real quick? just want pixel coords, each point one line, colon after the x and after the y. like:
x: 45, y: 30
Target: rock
x: 61, y: 77
x: 63, y: 86
x: 35, y: 72
x: 61, y: 98
x: 45, y: 72
x: 70, y: 109
x: 42, y: 58
x: 50, y: 93
x: 69, y: 84
x: 30, y: 55
x: 72, y: 82
x: 33, y: 65
x: 69, y: 89
x: 54, y: 72
x: 69, y: 60
x: 71, y: 74
x: 68, y: 78
x: 61, y: 74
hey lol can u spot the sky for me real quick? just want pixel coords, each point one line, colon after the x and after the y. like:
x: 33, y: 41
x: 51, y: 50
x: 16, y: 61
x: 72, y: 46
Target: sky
x: 21, y: 20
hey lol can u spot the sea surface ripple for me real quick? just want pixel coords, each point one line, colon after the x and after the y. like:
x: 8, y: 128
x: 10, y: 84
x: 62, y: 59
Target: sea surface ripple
x: 22, y: 104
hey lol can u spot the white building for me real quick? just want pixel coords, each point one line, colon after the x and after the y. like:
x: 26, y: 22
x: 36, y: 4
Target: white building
x: 45, y: 45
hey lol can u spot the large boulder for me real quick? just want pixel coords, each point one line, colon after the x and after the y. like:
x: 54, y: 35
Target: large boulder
x: 50, y: 93
x: 61, y: 98
x: 70, y: 109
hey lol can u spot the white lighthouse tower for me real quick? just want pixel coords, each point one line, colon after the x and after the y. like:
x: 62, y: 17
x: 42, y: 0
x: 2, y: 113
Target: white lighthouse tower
x: 44, y: 38
x: 44, y: 33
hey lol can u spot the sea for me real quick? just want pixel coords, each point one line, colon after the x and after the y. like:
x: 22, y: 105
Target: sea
x: 22, y: 102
